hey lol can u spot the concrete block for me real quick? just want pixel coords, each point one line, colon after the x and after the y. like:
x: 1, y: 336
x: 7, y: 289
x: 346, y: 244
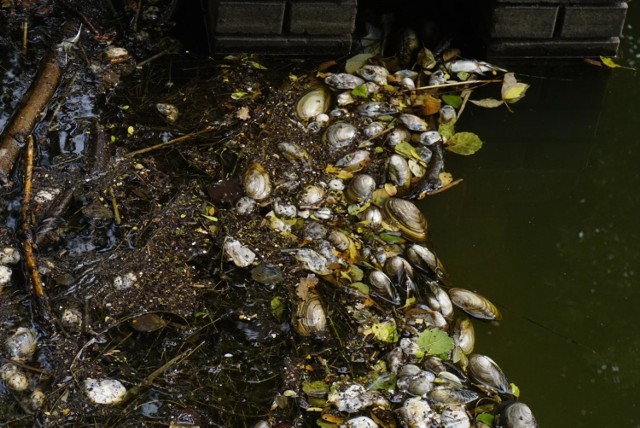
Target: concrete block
x: 248, y: 17
x: 558, y: 2
x: 283, y: 45
x: 322, y: 17
x: 523, y: 21
x: 593, y: 21
x: 564, y: 48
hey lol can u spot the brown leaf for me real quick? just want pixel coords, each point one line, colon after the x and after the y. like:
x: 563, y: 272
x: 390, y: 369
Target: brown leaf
x: 487, y: 102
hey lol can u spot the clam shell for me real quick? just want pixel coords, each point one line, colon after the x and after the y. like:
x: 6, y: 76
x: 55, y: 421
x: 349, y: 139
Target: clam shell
x: 339, y: 240
x: 312, y: 195
x: 373, y: 129
x: 311, y: 319
x: 398, y: 135
x: 484, y: 371
x: 361, y: 422
x: 515, y: 415
x: 313, y: 103
x: 447, y: 114
x: 343, y: 81
x: 355, y: 161
x: 450, y: 395
x: 256, y: 182
x: 375, y: 108
x: 340, y: 135
x: 22, y: 344
x: 104, y: 391
x: 372, y: 216
x: 360, y: 188
x: 14, y: 377
x: 474, y: 304
x: 407, y: 218
x: 441, y: 299
x: 312, y: 261
x: 398, y: 267
x: 374, y: 73
x: 413, y: 122
x: 383, y: 287
x: 398, y: 171
x: 464, y: 335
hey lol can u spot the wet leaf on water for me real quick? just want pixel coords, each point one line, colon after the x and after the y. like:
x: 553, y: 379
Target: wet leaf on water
x: 463, y: 75
x: 486, y: 418
x: 315, y: 388
x: 238, y: 95
x: 512, y: 90
x: 356, y: 62
x: 385, y: 331
x: 148, y: 323
x: 454, y: 101
x: 277, y: 307
x: 464, y: 143
x: 612, y: 64
x: 435, y: 342
x: 430, y: 104
x: 360, y: 91
x: 447, y: 130
x: 515, y: 390
x: 487, y: 102
x: 257, y: 65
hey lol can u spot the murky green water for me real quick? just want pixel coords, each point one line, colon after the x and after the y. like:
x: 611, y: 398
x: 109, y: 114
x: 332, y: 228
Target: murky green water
x: 546, y: 223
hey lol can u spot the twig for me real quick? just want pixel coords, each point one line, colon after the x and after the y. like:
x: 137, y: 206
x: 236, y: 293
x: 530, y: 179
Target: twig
x: 25, y: 32
x: 114, y: 204
x: 443, y: 188
x: 455, y: 84
x: 466, y: 93
x: 170, y: 142
x: 27, y: 245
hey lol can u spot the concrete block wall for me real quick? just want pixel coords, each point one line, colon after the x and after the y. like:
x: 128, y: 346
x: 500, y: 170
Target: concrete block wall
x: 294, y: 27
x: 555, y: 28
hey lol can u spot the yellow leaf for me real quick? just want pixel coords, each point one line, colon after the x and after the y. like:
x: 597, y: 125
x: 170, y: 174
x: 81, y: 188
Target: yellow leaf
x: 608, y: 62
x: 512, y: 90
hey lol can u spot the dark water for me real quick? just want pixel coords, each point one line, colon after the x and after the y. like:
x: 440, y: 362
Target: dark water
x: 546, y: 223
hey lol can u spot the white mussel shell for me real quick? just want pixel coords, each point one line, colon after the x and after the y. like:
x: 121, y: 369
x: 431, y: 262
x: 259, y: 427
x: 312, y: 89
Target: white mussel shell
x: 416, y: 413
x: 413, y: 122
x: 256, y: 182
x: 14, y: 377
x: 245, y: 205
x: 9, y: 256
x: 312, y: 195
x: 375, y: 108
x: 429, y: 138
x: 104, y: 391
x: 344, y: 99
x: 372, y: 216
x: 455, y: 416
x: 312, y: 261
x: 343, y: 81
x: 398, y: 135
x: 284, y: 210
x: 350, y: 398
x: 336, y: 184
x: 447, y: 114
x: 313, y: 103
x: 515, y: 415
x: 22, y: 344
x: 360, y: 188
x: 464, y: 335
x: 374, y: 73
x: 398, y: 171
x: 340, y: 135
x: 311, y: 319
x: 373, y: 129
x: 5, y: 275
x: 169, y: 111
x: 355, y: 161
x: 361, y: 422
x: 238, y: 253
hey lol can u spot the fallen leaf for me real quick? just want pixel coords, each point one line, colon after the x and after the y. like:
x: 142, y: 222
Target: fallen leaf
x: 464, y: 143
x: 487, y: 102
x: 238, y: 94
x: 453, y: 100
x: 360, y: 91
x: 356, y: 62
x: 512, y: 90
x: 609, y: 62
x: 257, y: 65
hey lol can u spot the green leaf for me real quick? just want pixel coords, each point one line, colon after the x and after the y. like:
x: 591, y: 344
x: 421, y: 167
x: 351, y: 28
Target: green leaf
x: 324, y: 424
x: 361, y: 287
x: 355, y: 273
x: 360, y: 91
x: 238, y: 95
x: 391, y: 239
x: 277, y: 306
x: 385, y: 332
x: 434, y: 342
x: 257, y: 65
x: 315, y: 388
x: 356, y: 209
x: 512, y: 90
x: 464, y: 143
x: 446, y: 130
x: 454, y: 101
x: 407, y: 151
x: 385, y: 381
x: 486, y: 418
x: 515, y: 390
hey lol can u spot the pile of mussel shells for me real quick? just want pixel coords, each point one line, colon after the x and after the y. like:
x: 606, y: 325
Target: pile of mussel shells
x: 350, y: 221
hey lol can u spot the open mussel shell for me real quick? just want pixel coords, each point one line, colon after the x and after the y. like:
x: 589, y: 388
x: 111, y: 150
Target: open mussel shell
x: 484, y: 371
x: 407, y: 218
x: 474, y: 304
x: 360, y: 188
x: 310, y: 317
x: 340, y: 135
x: 256, y: 182
x: 514, y: 414
x: 313, y: 103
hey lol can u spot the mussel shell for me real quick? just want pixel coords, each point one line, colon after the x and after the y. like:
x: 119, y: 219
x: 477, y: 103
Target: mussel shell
x: 374, y: 73
x: 464, y: 335
x: 422, y: 257
x: 354, y: 161
x: 398, y: 135
x: 339, y: 240
x: 22, y: 344
x: 340, y: 135
x: 407, y: 218
x: 398, y: 171
x: 383, y: 287
x: 373, y: 129
x: 416, y: 413
x: 484, y: 371
x: 474, y: 304
x: 343, y: 81
x: 441, y: 299
x: 268, y: 274
x: 360, y: 188
x: 256, y: 182
x: 312, y: 195
x: 398, y: 267
x: 375, y: 108
x: 455, y: 416
x: 310, y: 318
x: 515, y: 415
x: 413, y: 122
x: 447, y: 114
x: 429, y: 138
x: 372, y: 216
x: 313, y: 103
x: 450, y: 395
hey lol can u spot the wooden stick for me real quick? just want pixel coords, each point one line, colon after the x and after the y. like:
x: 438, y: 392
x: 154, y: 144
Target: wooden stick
x: 27, y: 244
x: 170, y: 142
x: 456, y: 84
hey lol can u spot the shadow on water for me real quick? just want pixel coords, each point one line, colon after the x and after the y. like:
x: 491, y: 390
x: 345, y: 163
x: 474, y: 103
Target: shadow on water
x: 546, y: 222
